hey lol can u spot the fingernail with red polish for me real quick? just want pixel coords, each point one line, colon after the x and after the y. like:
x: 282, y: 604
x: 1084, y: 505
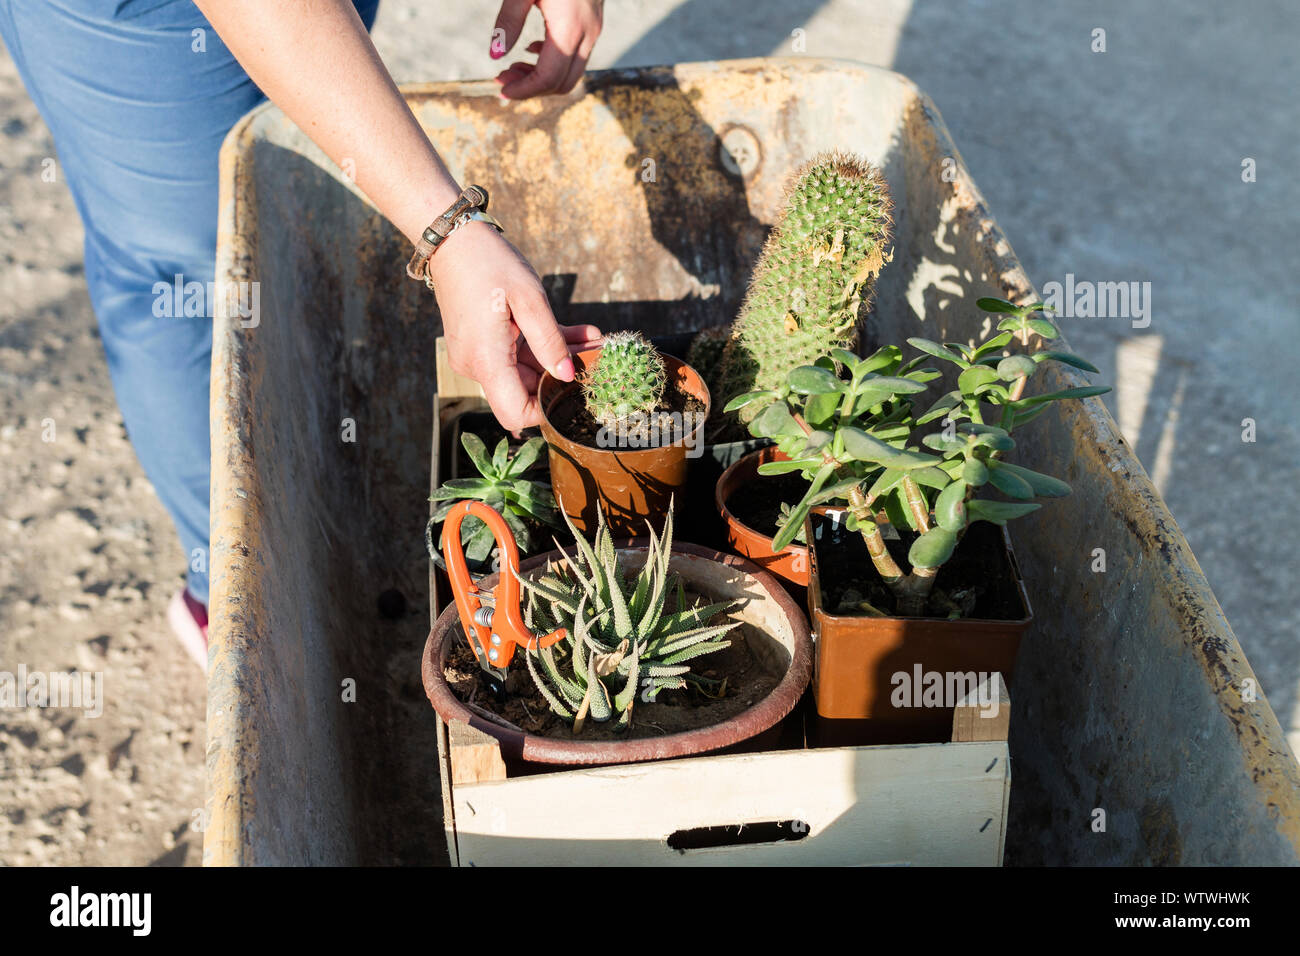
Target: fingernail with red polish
x: 564, y: 370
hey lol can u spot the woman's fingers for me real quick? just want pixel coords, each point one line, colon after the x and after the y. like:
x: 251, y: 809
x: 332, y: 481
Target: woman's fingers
x: 514, y: 73
x: 532, y: 314
x: 582, y: 335
x: 514, y: 405
x: 576, y: 68
x: 531, y: 378
x: 517, y: 407
x: 579, y: 64
x: 547, y: 74
x: 578, y: 338
x: 572, y: 27
x: 509, y: 24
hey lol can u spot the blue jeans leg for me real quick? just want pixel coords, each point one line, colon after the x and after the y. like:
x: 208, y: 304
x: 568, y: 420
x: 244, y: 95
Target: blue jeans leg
x: 138, y: 97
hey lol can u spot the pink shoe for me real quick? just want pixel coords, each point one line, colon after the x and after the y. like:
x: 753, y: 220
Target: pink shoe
x: 189, y: 622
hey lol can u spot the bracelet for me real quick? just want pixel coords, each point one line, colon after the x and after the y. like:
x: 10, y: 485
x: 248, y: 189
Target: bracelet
x: 470, y: 205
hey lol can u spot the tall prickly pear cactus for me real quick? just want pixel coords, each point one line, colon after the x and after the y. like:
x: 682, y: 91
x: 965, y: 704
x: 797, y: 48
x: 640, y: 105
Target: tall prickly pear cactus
x: 817, y: 268
x: 627, y: 380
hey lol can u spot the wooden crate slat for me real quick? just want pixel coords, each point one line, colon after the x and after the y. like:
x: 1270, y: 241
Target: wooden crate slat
x: 444, y: 407
x: 972, y: 720
x: 932, y: 804
x: 475, y: 757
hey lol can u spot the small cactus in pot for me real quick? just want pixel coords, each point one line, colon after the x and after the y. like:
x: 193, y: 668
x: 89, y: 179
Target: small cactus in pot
x: 623, y: 643
x: 622, y: 434
x: 625, y: 386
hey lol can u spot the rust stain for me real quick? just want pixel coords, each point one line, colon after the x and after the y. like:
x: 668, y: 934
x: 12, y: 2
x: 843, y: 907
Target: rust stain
x: 1159, y: 829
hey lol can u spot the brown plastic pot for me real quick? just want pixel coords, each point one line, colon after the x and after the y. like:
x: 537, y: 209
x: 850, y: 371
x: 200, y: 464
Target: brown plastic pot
x: 632, y: 485
x: 791, y: 564
x: 857, y: 658
x: 777, y: 633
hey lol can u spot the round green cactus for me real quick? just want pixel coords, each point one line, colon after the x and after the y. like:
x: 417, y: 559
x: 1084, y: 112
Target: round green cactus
x: 626, y: 381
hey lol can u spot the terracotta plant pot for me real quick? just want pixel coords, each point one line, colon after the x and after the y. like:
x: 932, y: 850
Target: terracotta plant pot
x: 859, y: 658
x: 790, y: 564
x: 777, y: 635
x: 632, y: 485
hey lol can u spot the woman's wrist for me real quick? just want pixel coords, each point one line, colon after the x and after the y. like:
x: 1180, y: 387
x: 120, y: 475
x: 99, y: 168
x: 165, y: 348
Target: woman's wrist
x: 423, y: 208
x: 467, y: 241
x: 469, y: 208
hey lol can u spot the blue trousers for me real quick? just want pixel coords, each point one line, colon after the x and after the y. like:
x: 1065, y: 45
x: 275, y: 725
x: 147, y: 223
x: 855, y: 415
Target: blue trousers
x: 138, y: 95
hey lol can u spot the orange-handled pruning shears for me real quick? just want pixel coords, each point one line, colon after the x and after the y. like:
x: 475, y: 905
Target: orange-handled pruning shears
x: 493, y: 632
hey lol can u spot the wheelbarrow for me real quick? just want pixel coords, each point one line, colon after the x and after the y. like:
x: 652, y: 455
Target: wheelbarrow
x: 643, y: 199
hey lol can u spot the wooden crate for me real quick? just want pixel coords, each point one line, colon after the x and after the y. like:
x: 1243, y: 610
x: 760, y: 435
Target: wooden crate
x: 916, y: 804
x: 912, y: 805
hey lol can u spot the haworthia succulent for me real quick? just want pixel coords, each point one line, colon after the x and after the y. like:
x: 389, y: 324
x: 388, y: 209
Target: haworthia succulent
x: 621, y: 639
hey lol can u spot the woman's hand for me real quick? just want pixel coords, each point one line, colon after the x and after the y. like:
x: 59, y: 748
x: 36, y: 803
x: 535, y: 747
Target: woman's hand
x: 488, y: 295
x: 572, y: 27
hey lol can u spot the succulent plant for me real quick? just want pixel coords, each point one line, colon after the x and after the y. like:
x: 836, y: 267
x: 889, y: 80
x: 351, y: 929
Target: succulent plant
x: 626, y: 382
x: 854, y: 436
x: 816, y: 269
x: 622, y: 640
x: 524, y: 504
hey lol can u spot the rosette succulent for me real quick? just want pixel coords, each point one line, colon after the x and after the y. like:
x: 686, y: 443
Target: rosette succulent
x: 627, y: 637
x: 526, y: 505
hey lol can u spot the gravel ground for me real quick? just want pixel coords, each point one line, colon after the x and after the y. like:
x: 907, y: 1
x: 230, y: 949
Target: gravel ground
x: 1115, y: 166
x: 88, y: 562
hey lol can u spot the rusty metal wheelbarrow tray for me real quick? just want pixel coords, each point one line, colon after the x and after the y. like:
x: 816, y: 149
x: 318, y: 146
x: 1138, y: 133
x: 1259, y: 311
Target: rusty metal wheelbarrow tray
x: 642, y: 199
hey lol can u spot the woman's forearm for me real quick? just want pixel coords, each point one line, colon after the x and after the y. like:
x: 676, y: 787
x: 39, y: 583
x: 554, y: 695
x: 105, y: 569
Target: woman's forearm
x: 314, y: 59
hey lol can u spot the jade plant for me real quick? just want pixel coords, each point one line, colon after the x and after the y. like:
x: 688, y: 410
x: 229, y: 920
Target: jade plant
x: 850, y: 425
x: 626, y: 384
x: 526, y: 505
x: 816, y: 270
x: 624, y: 640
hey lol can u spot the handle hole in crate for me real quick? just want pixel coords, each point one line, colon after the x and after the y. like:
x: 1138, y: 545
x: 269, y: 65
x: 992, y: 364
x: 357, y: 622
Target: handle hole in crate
x: 738, y: 834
